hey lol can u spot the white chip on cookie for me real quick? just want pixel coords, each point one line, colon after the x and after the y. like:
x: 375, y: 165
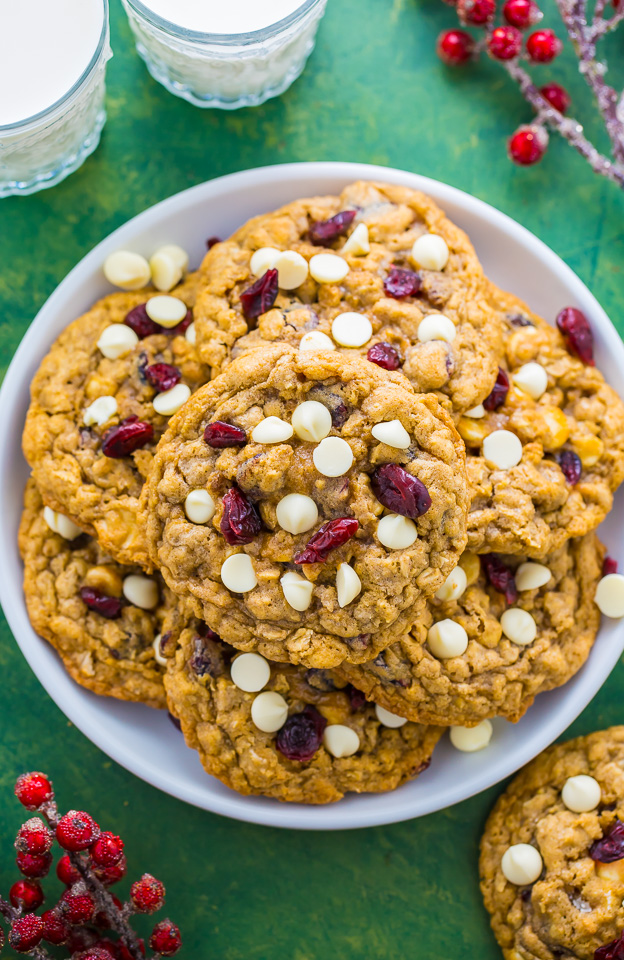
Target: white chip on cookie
x: 521, y: 864
x: 471, y: 739
x: 311, y: 421
x: 166, y: 271
x: 166, y: 311
x: 333, y: 457
x: 59, y: 523
x: 393, y: 433
x: 199, y: 506
x: 454, y: 585
x: 519, y: 626
x: 446, y: 639
x: 190, y: 334
x: 610, y: 595
x: 581, y: 793
x: 127, y: 270
x: 269, y: 711
x: 176, y: 253
x: 388, y: 719
x: 238, y: 574
x: 475, y: 413
x: 141, y: 591
x: 531, y: 576
x: 296, y: 513
x: 358, y: 244
x: 328, y: 268
x: 272, y: 430
x: 100, y: 411
x: 264, y: 259
x: 340, y: 740
x: 352, y: 329
x: 297, y: 590
x: 170, y: 401
x: 532, y: 379
x: 430, y: 252
x: 502, y: 448
x: 292, y: 270
x: 396, y: 532
x: 435, y: 326
x: 250, y: 672
x: 348, y: 584
x: 158, y: 656
x: 315, y: 341
x: 117, y: 340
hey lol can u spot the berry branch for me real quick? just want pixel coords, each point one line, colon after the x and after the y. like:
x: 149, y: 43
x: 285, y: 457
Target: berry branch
x: 551, y: 102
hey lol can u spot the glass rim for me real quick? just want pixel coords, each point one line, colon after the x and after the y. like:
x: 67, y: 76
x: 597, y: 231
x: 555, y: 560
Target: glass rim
x: 224, y: 39
x: 74, y: 88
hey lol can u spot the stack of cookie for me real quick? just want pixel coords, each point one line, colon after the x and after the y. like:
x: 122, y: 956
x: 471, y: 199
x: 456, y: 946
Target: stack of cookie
x: 325, y: 497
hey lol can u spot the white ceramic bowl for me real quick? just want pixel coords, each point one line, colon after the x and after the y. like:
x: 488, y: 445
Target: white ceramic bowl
x: 145, y: 741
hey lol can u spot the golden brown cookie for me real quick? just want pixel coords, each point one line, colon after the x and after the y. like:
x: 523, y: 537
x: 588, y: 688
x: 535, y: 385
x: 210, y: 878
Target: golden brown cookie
x: 289, y: 553
x: 390, y: 290
x: 552, y: 854
x: 90, y: 462
x: 519, y: 638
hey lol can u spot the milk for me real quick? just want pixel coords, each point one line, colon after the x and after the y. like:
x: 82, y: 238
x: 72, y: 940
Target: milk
x: 223, y: 16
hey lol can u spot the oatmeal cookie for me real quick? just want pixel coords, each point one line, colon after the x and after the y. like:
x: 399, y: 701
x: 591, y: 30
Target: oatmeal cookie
x: 552, y: 854
x: 525, y: 628
x: 300, y: 735
x: 384, y: 289
x: 77, y: 599
x: 558, y: 481
x: 277, y: 537
x: 82, y: 398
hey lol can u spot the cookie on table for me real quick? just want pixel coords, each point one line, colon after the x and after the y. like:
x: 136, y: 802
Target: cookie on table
x: 94, y: 419
x: 283, y: 731
x: 264, y: 506
x: 552, y: 854
x: 546, y: 452
x: 507, y: 630
x: 101, y: 618
x: 404, y: 281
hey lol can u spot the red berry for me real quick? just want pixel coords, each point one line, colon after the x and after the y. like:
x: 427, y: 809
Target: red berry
x: 219, y: 435
x: 301, y: 735
x: 129, y: 435
x: 212, y: 241
x: 500, y: 576
x: 55, y: 930
x: 77, y: 830
x: 455, y: 47
x: 34, y: 864
x: 522, y: 13
x: 260, y: 296
x: 240, y: 522
x: 571, y: 466
x: 557, y: 96
x: 142, y: 324
x: 34, y: 837
x: 476, y: 12
x: 109, y: 607
x: 401, y: 283
x: 162, y: 376
x: 399, y: 491
x: 27, y: 895
x: 111, y: 875
x: 384, y: 355
x: 324, y: 232
x: 609, y: 565
x: 543, y: 46
x: 107, y: 850
x: 102, y: 919
x: 577, y: 334
x: 26, y: 933
x: 147, y: 894
x: 95, y: 953
x: 124, y: 954
x: 497, y: 397
x: 610, y: 847
x: 33, y: 789
x: 331, y: 535
x: 66, y: 871
x: 1, y: 938
x: 77, y: 906
x: 504, y: 43
x: 527, y: 145
x: 165, y: 938
x: 614, y: 950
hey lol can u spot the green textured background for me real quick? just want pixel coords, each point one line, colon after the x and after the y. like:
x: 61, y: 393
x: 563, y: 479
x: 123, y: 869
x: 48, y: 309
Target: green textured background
x: 373, y: 91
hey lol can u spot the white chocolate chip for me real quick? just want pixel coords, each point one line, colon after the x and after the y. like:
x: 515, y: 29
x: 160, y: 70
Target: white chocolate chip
x: 177, y: 254
x: 387, y: 719
x: 446, y: 639
x: 430, y: 252
x: 471, y: 739
x: 292, y: 270
x: 169, y: 402
x: 264, y: 259
x: 358, y: 244
x: 166, y: 311
x: 100, y: 411
x: 532, y: 379
x: 351, y: 329
x: 272, y: 430
x: 166, y: 272
x: 141, y: 591
x: 311, y: 421
x: 238, y: 574
x: 396, y: 532
x: 296, y: 513
x: 475, y: 413
x: 59, y: 523
x: 435, y: 326
x: 190, y: 334
x: 269, y: 711
x: 502, y: 448
x: 454, y: 585
x: 340, y: 740
x: 610, y: 595
x: 297, y: 591
x: 158, y: 657
x: 519, y: 626
x: 581, y: 793
x: 117, y: 340
x: 333, y: 457
x: 316, y: 341
x: 531, y: 576
x: 127, y: 270
x: 328, y: 268
x: 199, y: 506
x: 348, y: 584
x: 521, y: 864
x: 250, y: 672
x: 393, y: 433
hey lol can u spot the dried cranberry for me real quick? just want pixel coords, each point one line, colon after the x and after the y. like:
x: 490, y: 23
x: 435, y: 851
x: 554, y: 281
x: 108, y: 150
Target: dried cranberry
x: 499, y: 392
x: 356, y: 698
x: 577, y: 333
x: 220, y: 435
x: 519, y: 320
x: 500, y: 576
x: 611, y: 847
x: 174, y: 721
x: 301, y: 735
x: 399, y: 491
x: 384, y: 355
x: 162, y: 376
x: 324, y: 232
x: 401, y: 283
x: 240, y: 523
x: 142, y: 325
x: 182, y: 326
x: 109, y: 607
x: 331, y: 535
x: 212, y: 241
x: 611, y: 951
x: 129, y: 435
x: 571, y: 466
x: 609, y: 565
x: 260, y: 296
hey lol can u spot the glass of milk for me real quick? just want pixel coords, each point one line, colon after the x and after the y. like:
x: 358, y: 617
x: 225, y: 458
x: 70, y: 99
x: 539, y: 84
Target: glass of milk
x: 53, y: 56
x: 225, y: 53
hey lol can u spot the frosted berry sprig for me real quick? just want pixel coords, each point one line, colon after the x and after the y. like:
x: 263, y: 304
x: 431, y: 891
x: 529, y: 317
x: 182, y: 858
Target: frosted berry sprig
x: 517, y: 42
x: 92, y: 861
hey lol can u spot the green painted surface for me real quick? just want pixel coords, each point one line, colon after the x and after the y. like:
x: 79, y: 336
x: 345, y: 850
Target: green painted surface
x: 373, y: 91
